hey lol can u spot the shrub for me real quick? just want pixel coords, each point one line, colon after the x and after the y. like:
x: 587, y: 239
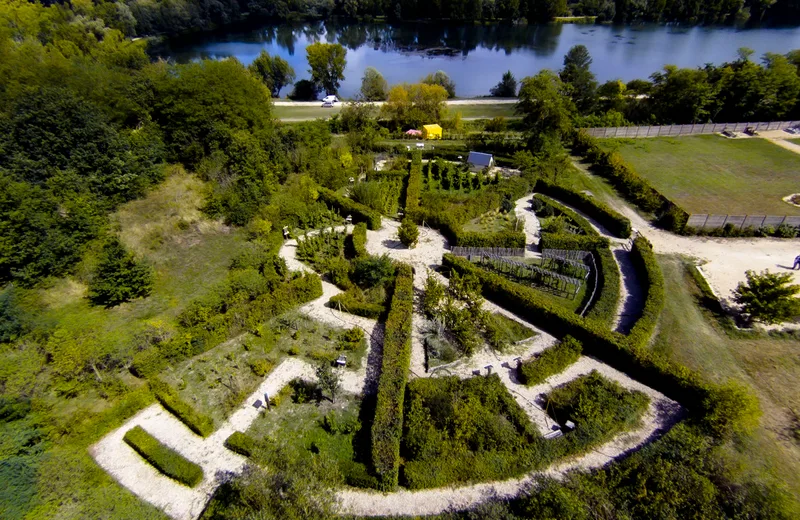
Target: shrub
x: 408, y: 233
x: 163, y: 458
x: 616, y: 224
x: 382, y: 196
x: 341, y: 422
x: 359, y: 240
x: 372, y: 271
x: 359, y: 212
x: 353, y: 303
x: 119, y: 277
x: 200, y: 424
x: 552, y: 361
x: 387, y: 427
x: 240, y: 443
x: 261, y: 367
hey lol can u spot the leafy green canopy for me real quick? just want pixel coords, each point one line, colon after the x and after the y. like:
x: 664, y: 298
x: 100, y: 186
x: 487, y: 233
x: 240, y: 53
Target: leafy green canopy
x: 768, y: 297
x: 119, y: 277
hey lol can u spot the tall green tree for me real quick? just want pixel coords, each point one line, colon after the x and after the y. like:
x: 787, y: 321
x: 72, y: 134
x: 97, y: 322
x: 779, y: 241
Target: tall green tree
x: 681, y: 95
x: 119, y: 276
x: 273, y: 71
x: 415, y: 105
x: 441, y: 78
x: 373, y: 85
x: 768, y: 297
x: 507, y: 86
x: 327, y: 63
x: 582, y: 86
x: 328, y: 378
x: 545, y: 107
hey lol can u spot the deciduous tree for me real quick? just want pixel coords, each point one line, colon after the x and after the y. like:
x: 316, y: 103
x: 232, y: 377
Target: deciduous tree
x: 373, y: 86
x: 545, y: 107
x: 274, y: 71
x: 327, y: 63
x: 441, y: 78
x: 328, y: 378
x: 768, y: 297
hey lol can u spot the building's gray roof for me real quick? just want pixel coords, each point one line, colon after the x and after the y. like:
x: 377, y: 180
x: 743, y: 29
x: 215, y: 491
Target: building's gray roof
x: 480, y: 159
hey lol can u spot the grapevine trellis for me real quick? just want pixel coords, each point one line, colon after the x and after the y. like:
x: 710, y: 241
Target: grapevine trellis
x: 569, y: 254
x: 543, y: 277
x: 563, y: 262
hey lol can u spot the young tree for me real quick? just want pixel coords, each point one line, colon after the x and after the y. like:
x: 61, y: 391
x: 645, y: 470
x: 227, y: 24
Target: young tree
x: 432, y: 296
x: 373, y: 86
x: 328, y: 378
x: 507, y: 86
x: 274, y: 71
x: 768, y: 297
x: 119, y: 277
x: 327, y: 62
x: 681, y: 96
x: 545, y: 108
x: 582, y: 85
x: 443, y: 80
x: 408, y: 233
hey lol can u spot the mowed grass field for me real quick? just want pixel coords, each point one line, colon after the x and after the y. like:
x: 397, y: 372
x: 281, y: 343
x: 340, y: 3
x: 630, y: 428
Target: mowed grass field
x: 691, y: 335
x: 477, y: 111
x: 712, y: 174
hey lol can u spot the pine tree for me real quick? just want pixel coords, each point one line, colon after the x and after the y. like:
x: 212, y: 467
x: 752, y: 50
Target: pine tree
x: 119, y: 277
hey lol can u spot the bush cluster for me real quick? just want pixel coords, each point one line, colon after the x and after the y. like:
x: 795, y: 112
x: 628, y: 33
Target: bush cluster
x: 616, y: 224
x: 164, y: 459
x: 628, y: 183
x: 387, y: 427
x: 671, y: 379
x: 345, y: 206
x: 382, y: 196
x: 353, y: 303
x: 240, y: 443
x: 200, y: 424
x: 552, y: 361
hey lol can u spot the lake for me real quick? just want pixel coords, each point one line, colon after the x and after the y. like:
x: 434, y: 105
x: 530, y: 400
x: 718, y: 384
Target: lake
x: 475, y: 57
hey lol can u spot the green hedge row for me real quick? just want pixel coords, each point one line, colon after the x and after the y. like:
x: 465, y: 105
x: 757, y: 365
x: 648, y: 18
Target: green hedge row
x: 240, y: 443
x: 649, y: 277
x: 164, y: 459
x: 616, y: 224
x: 580, y: 242
x: 561, y: 209
x: 511, y: 239
x: 414, y: 188
x: 628, y: 183
x: 552, y: 361
x: 346, y: 302
x: 359, y: 212
x: 359, y: 240
x: 200, y: 424
x: 606, y: 300
x: 387, y: 427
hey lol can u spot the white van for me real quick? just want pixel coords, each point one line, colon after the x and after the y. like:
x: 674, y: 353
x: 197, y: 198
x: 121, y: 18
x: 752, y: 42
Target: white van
x: 330, y: 99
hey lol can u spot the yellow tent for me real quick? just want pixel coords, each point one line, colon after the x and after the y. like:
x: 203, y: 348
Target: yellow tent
x: 432, y: 131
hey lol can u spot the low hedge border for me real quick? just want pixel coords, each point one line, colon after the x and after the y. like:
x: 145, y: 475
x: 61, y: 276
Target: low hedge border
x: 616, y: 224
x: 628, y: 183
x: 240, y: 443
x: 359, y: 240
x: 359, y: 212
x: 606, y: 301
x: 200, y: 424
x: 648, y: 274
x: 163, y: 458
x: 348, y: 303
x: 552, y: 361
x: 387, y: 427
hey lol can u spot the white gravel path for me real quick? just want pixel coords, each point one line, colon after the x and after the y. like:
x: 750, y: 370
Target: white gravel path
x: 522, y: 208
x: 178, y: 501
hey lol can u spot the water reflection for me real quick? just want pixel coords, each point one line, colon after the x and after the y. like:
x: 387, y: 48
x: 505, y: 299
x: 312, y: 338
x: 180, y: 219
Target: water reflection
x: 475, y: 56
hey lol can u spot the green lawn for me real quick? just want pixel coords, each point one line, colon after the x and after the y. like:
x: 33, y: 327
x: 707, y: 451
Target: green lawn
x: 712, y: 174
x: 482, y: 111
x: 690, y: 335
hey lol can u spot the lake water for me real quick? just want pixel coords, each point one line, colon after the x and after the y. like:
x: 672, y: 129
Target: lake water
x: 475, y: 57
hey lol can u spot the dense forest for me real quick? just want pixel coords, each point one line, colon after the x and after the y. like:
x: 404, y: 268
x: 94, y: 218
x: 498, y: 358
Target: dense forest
x: 169, y: 17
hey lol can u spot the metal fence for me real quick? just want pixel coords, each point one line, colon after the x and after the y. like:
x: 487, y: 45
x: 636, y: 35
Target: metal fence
x: 497, y: 251
x: 676, y: 130
x: 740, y: 221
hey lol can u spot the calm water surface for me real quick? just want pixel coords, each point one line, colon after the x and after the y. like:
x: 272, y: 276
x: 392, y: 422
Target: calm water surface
x: 475, y: 57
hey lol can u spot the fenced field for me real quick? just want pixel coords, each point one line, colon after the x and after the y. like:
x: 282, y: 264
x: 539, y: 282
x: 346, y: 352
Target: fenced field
x: 710, y: 174
x: 679, y: 130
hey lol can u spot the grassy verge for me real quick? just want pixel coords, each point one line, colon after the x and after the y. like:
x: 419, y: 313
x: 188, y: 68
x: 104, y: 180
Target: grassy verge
x: 712, y: 174
x: 690, y: 335
x: 163, y: 458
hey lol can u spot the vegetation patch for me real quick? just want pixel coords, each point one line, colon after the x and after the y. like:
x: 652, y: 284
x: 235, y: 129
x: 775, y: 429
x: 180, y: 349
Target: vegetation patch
x: 164, y: 459
x: 550, y: 362
x: 168, y: 397
x: 240, y: 443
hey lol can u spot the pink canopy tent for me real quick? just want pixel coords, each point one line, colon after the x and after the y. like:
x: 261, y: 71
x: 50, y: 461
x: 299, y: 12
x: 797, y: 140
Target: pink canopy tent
x: 413, y: 132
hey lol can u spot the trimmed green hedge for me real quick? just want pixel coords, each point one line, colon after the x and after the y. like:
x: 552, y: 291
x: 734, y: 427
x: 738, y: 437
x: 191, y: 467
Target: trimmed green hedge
x: 628, y: 183
x: 200, y: 424
x: 568, y: 241
x: 606, y: 301
x: 359, y: 240
x: 414, y: 188
x: 387, y: 427
x: 616, y: 224
x: 359, y: 212
x: 163, y: 458
x: 510, y: 239
x: 240, y: 443
x: 552, y: 361
x: 648, y: 274
x: 349, y: 303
